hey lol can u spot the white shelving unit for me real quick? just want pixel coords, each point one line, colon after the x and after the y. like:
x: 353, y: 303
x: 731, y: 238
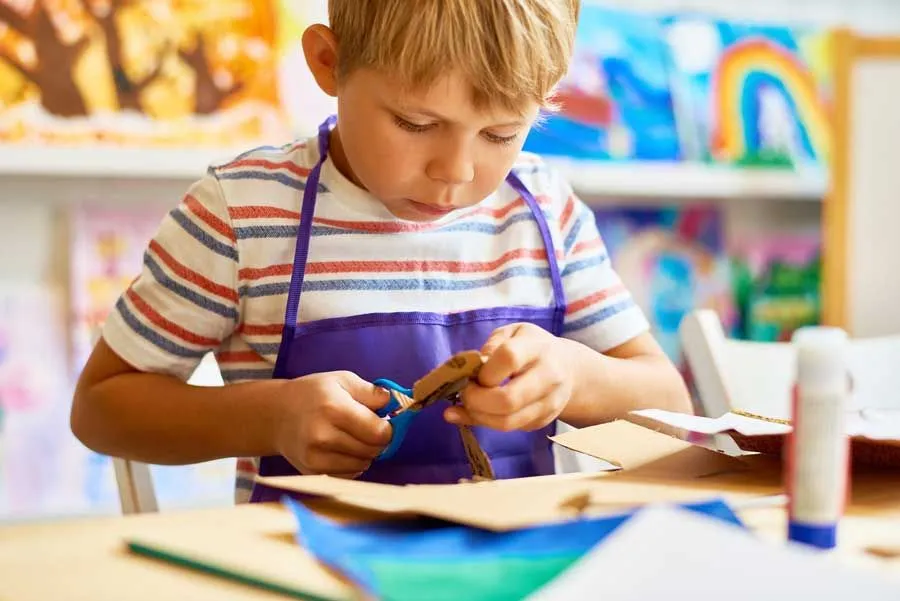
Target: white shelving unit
x: 591, y: 179
x: 691, y: 181
x: 125, y: 163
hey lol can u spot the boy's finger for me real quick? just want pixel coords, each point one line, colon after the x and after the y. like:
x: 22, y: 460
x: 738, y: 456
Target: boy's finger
x: 458, y: 417
x: 366, y: 427
x: 366, y: 393
x: 362, y: 424
x: 336, y: 464
x: 345, y: 443
x: 498, y: 337
x: 519, y: 420
x: 510, y: 358
x: 522, y: 390
x: 542, y: 421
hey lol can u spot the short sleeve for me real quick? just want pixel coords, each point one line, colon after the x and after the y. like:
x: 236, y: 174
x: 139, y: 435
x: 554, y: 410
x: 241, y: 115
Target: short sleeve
x: 600, y: 311
x: 184, y: 302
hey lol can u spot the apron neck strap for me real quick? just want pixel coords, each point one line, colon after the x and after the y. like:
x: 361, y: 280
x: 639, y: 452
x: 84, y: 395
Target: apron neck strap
x: 304, y: 230
x: 559, y: 298
x: 325, y: 136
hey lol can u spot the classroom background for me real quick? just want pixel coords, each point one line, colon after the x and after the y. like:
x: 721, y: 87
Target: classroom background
x: 698, y: 130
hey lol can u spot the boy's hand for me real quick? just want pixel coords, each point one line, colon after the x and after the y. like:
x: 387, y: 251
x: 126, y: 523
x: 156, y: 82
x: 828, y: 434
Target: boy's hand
x: 328, y: 424
x: 540, y: 381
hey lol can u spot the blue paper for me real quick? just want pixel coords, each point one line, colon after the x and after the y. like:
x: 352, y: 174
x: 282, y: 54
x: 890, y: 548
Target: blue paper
x: 360, y: 551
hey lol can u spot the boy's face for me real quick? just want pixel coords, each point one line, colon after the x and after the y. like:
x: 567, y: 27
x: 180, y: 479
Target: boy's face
x: 426, y: 153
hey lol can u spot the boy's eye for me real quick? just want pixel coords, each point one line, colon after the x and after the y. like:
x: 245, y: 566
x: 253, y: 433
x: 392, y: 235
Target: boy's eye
x: 495, y: 139
x: 416, y: 128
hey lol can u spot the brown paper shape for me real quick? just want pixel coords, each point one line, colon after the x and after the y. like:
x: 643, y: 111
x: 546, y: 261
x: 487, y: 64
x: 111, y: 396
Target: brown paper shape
x: 645, y: 452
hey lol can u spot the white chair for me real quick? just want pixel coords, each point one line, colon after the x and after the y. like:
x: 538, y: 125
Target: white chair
x: 133, y: 478
x: 757, y: 377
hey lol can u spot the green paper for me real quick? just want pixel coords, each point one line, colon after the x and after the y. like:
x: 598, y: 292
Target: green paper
x: 493, y: 579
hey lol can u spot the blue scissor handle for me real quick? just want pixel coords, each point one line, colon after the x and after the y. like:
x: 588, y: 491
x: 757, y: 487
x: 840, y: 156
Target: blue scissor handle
x: 399, y: 423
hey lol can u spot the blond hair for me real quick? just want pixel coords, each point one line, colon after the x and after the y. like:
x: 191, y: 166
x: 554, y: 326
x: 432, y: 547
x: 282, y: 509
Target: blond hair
x: 510, y: 51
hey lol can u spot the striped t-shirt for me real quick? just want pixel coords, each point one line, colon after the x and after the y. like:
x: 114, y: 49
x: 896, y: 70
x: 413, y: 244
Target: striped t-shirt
x: 216, y: 274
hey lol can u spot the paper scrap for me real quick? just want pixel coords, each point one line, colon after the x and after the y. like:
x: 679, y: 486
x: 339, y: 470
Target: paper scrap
x: 635, y: 448
x: 691, y: 423
x: 874, y: 424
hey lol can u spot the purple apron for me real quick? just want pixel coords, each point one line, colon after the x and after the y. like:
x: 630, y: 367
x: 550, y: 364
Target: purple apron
x: 403, y: 347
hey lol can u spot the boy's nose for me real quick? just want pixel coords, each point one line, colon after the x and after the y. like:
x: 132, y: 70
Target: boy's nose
x: 452, y: 168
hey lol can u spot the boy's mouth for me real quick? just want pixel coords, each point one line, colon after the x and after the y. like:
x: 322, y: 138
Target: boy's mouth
x: 428, y: 209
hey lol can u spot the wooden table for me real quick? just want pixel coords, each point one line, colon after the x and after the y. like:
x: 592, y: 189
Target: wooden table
x: 87, y: 559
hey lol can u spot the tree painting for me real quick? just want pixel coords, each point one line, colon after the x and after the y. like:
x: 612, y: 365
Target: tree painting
x: 146, y: 72
x: 34, y: 47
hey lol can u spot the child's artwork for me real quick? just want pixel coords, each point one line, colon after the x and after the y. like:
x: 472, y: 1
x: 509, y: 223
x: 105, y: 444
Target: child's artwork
x: 777, y: 284
x: 39, y: 464
x: 106, y: 255
x: 672, y: 261
x: 615, y: 101
x: 753, y: 95
x: 139, y: 73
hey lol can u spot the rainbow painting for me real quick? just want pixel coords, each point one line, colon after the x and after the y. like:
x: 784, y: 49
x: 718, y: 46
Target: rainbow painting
x: 747, y: 71
x: 755, y: 95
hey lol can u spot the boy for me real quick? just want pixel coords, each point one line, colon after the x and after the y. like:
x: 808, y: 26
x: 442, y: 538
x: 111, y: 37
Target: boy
x: 423, y: 231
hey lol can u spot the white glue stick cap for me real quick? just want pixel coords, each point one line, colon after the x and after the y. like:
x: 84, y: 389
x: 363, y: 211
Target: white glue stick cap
x: 821, y: 357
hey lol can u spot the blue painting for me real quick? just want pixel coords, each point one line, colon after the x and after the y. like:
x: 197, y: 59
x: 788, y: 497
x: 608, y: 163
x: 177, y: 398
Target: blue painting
x: 615, y: 102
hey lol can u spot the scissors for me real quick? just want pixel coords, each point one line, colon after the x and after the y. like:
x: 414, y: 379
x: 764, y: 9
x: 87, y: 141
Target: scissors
x: 444, y: 383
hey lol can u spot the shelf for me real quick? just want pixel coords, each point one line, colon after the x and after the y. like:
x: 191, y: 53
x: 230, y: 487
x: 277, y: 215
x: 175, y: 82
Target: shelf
x: 590, y: 179
x: 690, y: 181
x: 131, y: 163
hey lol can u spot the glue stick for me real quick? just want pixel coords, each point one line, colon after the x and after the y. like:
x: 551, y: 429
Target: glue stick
x: 818, y: 446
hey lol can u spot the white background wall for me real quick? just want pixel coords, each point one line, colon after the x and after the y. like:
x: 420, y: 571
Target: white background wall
x: 873, y: 245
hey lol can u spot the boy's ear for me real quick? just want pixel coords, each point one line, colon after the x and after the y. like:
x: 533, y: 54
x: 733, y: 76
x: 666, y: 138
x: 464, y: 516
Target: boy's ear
x: 321, y: 51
